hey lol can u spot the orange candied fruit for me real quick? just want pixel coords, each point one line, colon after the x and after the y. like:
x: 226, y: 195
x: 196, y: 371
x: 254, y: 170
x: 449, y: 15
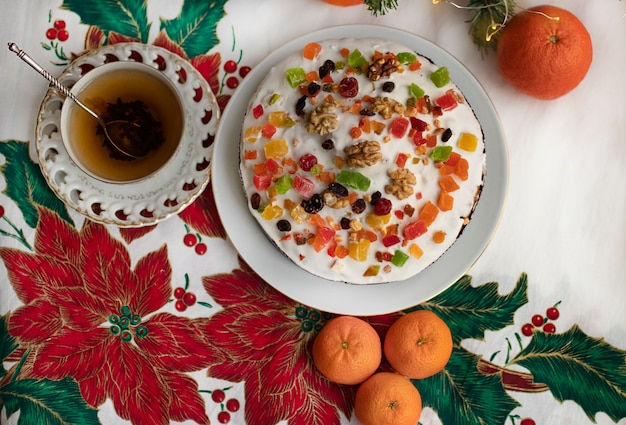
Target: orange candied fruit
x: 311, y: 50
x: 446, y: 201
x: 439, y: 236
x: 428, y: 213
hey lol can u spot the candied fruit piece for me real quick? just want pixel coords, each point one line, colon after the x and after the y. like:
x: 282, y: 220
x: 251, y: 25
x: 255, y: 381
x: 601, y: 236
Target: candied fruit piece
x: 295, y: 77
x: 257, y: 111
x: 439, y: 236
x: 406, y: 58
x: 252, y: 133
x: 441, y: 153
x: 468, y: 142
x: 324, y: 235
x: 377, y: 221
x: 428, y: 213
x: 356, y: 59
x: 399, y: 258
x: 399, y: 126
x: 446, y: 102
x: 446, y: 201
x: 354, y: 179
x: 271, y: 212
x: 262, y: 181
x: 280, y: 119
x: 268, y: 130
x: 311, y: 50
x: 283, y: 184
x: 416, y: 91
x: 276, y: 148
x: 415, y: 251
x: 391, y: 240
x: 414, y: 229
x: 303, y: 186
x: 440, y: 77
x: 372, y: 270
x: 448, y: 184
x: 358, y: 249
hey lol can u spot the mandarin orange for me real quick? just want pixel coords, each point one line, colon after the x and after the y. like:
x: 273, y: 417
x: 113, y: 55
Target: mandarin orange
x: 544, y: 51
x: 418, y: 344
x: 347, y: 350
x: 387, y: 399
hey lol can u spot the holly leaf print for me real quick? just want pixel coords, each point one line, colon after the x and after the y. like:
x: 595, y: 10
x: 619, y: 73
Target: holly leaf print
x: 48, y: 402
x: 126, y: 17
x: 470, y: 311
x: 26, y: 185
x: 195, y: 28
x: 8, y: 344
x: 572, y: 361
x: 471, y: 398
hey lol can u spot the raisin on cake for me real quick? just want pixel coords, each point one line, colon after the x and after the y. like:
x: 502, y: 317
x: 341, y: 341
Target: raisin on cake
x: 361, y: 160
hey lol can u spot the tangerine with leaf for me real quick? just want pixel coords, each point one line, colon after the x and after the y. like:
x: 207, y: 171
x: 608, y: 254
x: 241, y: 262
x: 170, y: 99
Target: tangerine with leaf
x: 387, y: 398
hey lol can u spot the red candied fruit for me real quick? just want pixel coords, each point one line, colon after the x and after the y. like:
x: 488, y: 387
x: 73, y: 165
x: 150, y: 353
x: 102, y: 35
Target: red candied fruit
x: 399, y: 126
x: 307, y: 161
x: 349, y: 87
x: 257, y: 111
x: 382, y: 207
x: 418, y: 124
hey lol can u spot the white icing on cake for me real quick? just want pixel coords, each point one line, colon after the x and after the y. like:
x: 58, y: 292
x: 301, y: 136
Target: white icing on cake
x: 276, y: 95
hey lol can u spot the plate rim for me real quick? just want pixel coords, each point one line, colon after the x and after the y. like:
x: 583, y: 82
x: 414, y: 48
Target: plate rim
x: 359, y: 299
x: 208, y: 99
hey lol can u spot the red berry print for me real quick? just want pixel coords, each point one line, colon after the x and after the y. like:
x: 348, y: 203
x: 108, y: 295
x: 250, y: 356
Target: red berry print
x: 223, y: 417
x: 180, y: 306
x: 527, y: 329
x: 63, y: 35
x: 218, y: 396
x: 232, y: 82
x: 232, y: 405
x: 552, y: 313
x: 244, y: 70
x: 549, y: 328
x: 527, y: 421
x: 230, y: 66
x: 537, y: 320
x: 51, y: 34
x: 59, y: 24
x: 201, y: 248
x: 189, y: 299
x: 1, y: 211
x: 179, y: 293
x: 190, y: 239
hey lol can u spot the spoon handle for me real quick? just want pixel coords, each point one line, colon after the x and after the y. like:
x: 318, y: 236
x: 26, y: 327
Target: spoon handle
x: 62, y: 88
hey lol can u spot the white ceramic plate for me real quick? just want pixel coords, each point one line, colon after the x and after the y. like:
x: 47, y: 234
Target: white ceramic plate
x: 338, y: 297
x: 158, y: 196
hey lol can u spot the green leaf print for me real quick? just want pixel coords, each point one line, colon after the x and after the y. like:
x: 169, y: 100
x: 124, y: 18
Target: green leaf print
x: 578, y: 367
x: 26, y: 185
x: 7, y: 343
x: 470, y: 311
x: 47, y: 402
x: 194, y: 30
x: 126, y: 17
x: 460, y: 394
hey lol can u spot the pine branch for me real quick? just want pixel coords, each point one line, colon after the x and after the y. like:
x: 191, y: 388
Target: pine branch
x: 489, y: 18
x: 380, y: 6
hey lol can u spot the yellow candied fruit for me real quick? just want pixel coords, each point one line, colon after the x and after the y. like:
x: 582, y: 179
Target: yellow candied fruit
x: 358, y: 250
x: 468, y: 142
x: 280, y: 119
x: 252, y: 133
x: 372, y: 270
x: 298, y: 214
x: 377, y: 221
x: 271, y: 212
x: 415, y: 251
x: 276, y: 148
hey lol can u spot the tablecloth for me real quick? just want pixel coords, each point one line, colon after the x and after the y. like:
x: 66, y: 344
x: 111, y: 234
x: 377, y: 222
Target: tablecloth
x: 208, y: 341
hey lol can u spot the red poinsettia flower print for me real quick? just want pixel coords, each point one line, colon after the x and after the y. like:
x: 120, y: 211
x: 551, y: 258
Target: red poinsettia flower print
x: 87, y: 315
x: 264, y: 338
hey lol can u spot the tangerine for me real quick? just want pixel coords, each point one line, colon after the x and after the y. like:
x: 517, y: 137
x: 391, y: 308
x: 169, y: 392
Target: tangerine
x: 418, y: 344
x: 347, y: 350
x: 544, y: 51
x: 387, y: 398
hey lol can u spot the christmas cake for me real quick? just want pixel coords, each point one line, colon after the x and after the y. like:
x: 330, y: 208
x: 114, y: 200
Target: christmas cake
x: 361, y: 160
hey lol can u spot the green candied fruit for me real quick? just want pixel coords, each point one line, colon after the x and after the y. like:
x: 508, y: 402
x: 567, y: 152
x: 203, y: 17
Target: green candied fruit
x: 275, y: 97
x: 406, y: 58
x: 356, y: 59
x: 339, y: 65
x: 416, y: 91
x: 283, y: 184
x: 399, y: 258
x: 411, y: 102
x: 441, y: 153
x: 440, y: 77
x: 295, y: 76
x: 354, y: 179
x: 315, y: 170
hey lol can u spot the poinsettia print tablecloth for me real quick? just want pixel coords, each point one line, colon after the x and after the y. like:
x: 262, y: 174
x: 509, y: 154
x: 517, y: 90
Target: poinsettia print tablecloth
x: 90, y: 333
